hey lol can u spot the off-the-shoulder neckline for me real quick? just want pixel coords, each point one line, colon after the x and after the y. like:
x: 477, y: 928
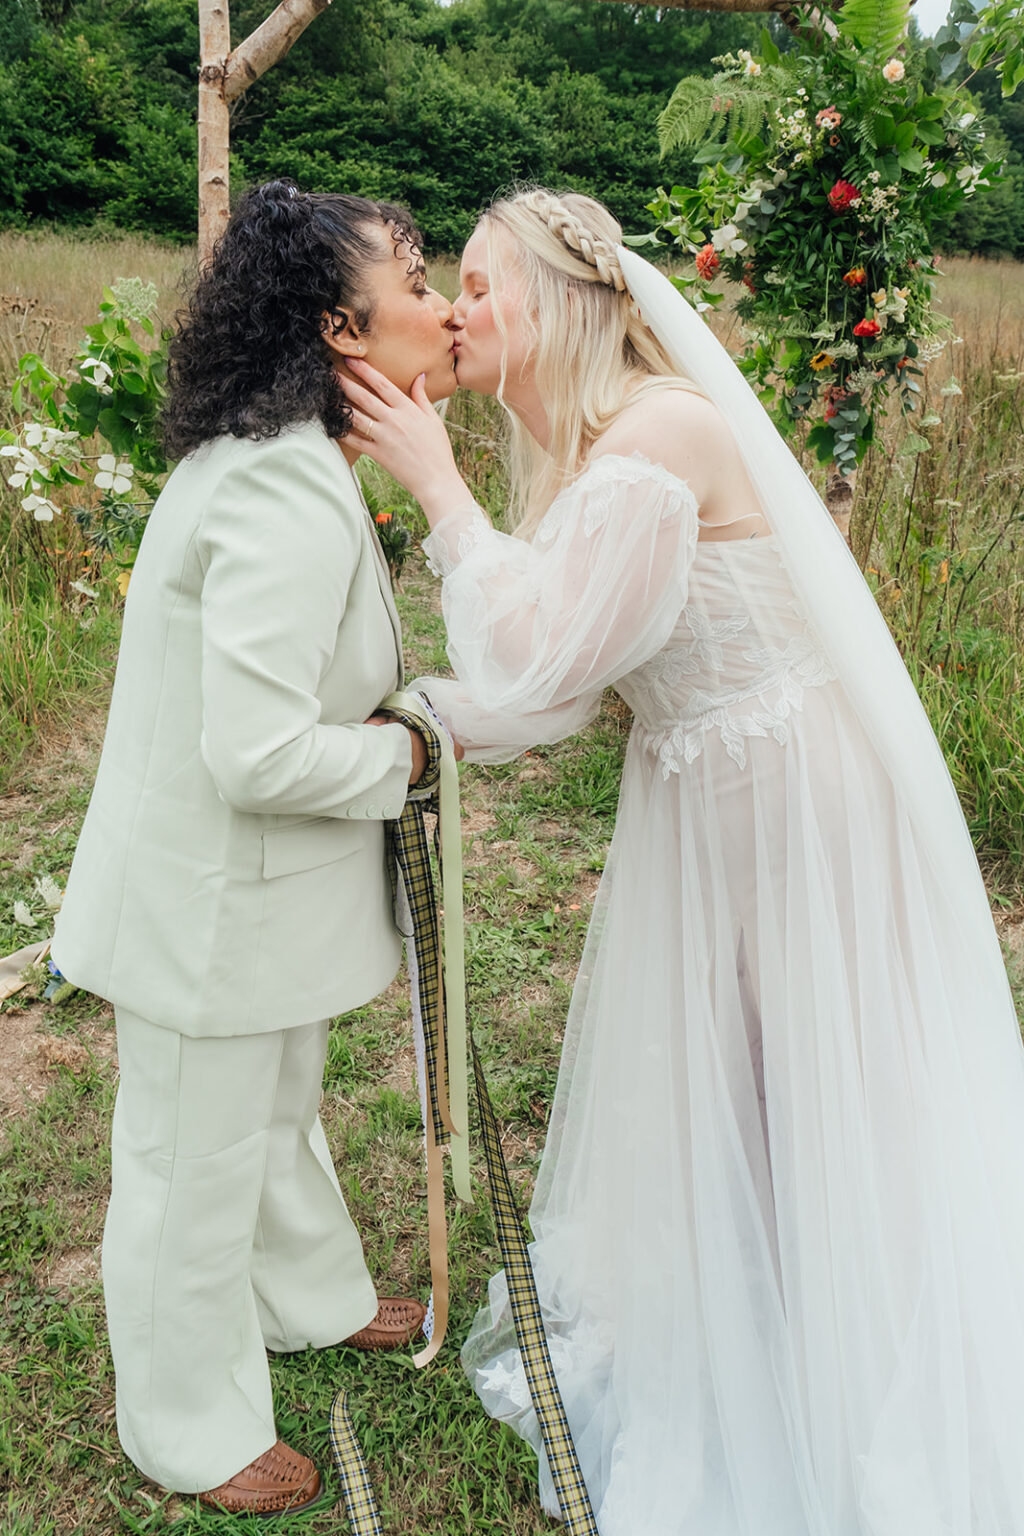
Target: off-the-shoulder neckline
x: 636, y: 458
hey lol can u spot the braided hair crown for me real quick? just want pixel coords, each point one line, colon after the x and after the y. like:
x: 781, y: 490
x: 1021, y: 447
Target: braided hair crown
x: 570, y: 229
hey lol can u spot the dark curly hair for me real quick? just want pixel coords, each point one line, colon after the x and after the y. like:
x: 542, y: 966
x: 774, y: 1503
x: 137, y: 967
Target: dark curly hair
x: 249, y: 357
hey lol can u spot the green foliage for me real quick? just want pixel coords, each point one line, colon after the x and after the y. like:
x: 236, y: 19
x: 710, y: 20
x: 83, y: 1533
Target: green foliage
x: 708, y: 112
x: 877, y: 27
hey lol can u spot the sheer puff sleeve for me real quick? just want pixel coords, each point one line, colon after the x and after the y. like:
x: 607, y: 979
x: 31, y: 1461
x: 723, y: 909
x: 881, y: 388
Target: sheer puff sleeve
x: 538, y: 629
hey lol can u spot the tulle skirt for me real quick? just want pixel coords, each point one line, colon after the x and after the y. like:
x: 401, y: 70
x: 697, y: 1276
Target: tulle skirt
x: 779, y: 1222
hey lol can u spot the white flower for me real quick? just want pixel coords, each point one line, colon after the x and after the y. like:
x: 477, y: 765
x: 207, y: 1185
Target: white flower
x: 967, y: 119
x: 49, y: 892
x: 728, y: 239
x: 80, y: 586
x: 742, y: 211
x: 779, y: 178
x: 96, y: 369
x: 41, y: 507
x: 939, y: 179
x: 894, y: 71
x: 114, y: 474
x: 22, y: 916
x: 752, y: 67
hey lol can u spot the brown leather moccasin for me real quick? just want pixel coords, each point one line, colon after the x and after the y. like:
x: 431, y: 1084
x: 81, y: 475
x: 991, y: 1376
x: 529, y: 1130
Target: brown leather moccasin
x: 279, y: 1482
x: 398, y: 1320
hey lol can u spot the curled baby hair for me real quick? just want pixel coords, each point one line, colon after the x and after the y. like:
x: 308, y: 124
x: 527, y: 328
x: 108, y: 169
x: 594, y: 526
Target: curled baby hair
x: 591, y: 352
x: 248, y: 356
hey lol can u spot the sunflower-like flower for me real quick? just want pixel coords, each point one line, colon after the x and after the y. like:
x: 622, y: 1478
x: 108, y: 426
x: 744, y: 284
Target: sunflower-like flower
x: 822, y: 360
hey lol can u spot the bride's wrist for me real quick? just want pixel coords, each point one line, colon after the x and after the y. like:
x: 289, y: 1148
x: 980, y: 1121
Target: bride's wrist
x: 444, y: 495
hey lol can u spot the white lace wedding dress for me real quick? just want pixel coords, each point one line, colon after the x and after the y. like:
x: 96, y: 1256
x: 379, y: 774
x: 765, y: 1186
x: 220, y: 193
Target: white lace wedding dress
x: 779, y: 1222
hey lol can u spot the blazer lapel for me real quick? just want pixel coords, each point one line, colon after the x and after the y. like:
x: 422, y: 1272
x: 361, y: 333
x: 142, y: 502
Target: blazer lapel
x: 381, y: 566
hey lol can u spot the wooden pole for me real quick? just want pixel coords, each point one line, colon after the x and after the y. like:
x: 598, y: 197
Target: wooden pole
x: 214, y: 124
x: 223, y: 76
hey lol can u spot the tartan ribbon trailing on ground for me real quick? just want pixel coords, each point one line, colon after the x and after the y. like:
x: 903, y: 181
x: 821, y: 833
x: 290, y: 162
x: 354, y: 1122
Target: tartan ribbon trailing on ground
x: 356, y: 1487
x: 439, y: 1017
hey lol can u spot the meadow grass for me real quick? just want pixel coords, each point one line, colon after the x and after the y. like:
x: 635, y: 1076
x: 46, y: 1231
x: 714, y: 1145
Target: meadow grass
x: 536, y: 834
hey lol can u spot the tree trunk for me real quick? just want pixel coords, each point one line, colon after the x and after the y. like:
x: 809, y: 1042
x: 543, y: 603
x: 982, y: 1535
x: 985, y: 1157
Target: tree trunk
x: 223, y: 76
x: 214, y: 124
x: 839, y: 491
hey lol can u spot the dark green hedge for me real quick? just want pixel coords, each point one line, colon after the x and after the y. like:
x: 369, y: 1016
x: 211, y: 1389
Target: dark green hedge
x: 439, y: 106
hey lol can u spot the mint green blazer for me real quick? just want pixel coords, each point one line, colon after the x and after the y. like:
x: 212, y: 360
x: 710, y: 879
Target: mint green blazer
x: 230, y: 874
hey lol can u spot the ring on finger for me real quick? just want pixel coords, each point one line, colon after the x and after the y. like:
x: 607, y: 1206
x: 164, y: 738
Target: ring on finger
x: 368, y: 429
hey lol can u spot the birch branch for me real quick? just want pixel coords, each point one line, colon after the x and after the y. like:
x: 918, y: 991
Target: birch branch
x: 269, y: 43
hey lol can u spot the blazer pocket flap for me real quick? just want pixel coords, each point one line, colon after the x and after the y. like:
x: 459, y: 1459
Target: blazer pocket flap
x: 308, y: 844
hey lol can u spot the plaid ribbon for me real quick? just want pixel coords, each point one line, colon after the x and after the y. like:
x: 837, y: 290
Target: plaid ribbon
x: 409, y: 860
x: 356, y: 1486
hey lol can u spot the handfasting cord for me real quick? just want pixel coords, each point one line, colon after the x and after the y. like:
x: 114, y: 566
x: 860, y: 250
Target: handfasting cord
x: 439, y: 1015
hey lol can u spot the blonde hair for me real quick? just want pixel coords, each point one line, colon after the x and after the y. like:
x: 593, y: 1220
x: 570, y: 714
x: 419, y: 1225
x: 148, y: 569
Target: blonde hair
x: 584, y: 336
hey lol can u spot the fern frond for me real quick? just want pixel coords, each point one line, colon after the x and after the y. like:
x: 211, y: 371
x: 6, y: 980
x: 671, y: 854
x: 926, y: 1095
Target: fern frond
x: 876, y: 26
x: 703, y: 111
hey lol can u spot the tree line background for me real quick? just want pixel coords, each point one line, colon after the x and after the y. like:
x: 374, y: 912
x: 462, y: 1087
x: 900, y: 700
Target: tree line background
x: 438, y: 106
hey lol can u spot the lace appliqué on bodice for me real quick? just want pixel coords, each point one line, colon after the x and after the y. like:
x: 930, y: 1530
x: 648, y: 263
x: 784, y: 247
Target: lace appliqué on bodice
x: 704, y: 683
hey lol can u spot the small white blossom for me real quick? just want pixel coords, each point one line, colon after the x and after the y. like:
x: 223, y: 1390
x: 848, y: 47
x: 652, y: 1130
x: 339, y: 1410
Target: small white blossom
x: 96, y: 370
x: 49, y: 892
x: 967, y: 119
x: 728, y: 239
x: 41, y: 507
x: 939, y: 179
x: 113, y: 474
x: 80, y: 586
x: 22, y: 916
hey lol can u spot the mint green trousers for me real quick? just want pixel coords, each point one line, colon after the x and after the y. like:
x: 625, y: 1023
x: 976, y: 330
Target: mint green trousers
x: 226, y: 1235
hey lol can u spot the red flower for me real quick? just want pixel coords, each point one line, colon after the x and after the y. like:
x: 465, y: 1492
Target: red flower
x: 828, y: 118
x: 748, y: 278
x: 707, y: 262
x: 866, y: 328
x: 834, y: 396
x: 855, y: 277
x: 902, y: 363
x: 843, y: 195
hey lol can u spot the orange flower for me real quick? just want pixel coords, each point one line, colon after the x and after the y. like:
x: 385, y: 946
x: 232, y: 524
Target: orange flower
x: 707, y: 262
x: 383, y: 517
x: 855, y: 277
x: 866, y: 328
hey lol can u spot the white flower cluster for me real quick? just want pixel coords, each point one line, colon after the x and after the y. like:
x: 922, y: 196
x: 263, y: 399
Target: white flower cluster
x: 31, y: 472
x: 879, y: 201
x: 795, y: 132
x: 890, y: 306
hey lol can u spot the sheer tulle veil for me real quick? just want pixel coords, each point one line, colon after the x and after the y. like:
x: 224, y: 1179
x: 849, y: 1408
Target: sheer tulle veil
x: 836, y: 599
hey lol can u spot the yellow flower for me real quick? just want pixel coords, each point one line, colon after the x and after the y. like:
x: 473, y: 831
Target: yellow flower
x: 820, y: 361
x: 123, y: 578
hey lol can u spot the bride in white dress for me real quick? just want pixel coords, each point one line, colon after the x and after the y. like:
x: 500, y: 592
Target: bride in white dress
x: 779, y: 1222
